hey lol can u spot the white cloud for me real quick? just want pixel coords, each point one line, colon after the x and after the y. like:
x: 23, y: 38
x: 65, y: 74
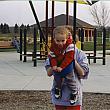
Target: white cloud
x: 19, y: 12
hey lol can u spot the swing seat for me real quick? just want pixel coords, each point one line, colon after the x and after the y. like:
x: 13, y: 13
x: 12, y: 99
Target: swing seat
x: 66, y: 70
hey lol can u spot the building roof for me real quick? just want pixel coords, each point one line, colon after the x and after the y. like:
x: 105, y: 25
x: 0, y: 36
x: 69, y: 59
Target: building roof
x: 61, y: 20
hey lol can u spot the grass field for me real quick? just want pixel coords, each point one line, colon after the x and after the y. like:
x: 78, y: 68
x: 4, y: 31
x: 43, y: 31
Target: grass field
x: 89, y: 46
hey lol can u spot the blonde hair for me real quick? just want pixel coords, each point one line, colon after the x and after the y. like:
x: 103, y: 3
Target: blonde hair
x: 65, y: 29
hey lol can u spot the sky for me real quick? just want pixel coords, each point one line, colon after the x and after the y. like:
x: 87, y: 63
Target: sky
x: 12, y: 12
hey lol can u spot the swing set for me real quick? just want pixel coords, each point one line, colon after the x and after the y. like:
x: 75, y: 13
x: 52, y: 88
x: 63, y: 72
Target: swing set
x: 44, y: 38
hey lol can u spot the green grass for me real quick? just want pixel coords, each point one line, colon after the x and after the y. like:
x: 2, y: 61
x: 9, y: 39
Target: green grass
x: 7, y: 50
x: 5, y: 37
x: 88, y: 46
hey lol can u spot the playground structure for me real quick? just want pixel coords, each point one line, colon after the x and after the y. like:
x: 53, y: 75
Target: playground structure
x: 35, y: 53
x: 42, y: 53
x: 93, y: 55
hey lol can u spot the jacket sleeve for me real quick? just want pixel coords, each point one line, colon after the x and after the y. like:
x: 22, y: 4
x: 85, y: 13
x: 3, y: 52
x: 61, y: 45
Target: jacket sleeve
x: 83, y: 62
x: 52, y: 58
x: 69, y: 56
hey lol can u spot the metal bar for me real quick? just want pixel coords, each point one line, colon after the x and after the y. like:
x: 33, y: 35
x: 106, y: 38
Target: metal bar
x: 95, y: 43
x: 67, y: 12
x: 82, y: 39
x: 37, y: 21
x: 104, y: 45
x: 74, y: 29
x: 25, y: 48
x: 53, y: 20
x: 35, y: 48
x: 46, y: 31
x: 21, y: 44
x: 74, y: 21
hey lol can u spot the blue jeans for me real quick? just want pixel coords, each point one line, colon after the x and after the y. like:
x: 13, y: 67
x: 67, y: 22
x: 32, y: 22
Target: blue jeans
x: 68, y: 75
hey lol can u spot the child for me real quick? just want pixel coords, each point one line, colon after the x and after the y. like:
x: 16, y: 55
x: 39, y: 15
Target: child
x: 61, y: 59
x: 15, y: 42
x: 78, y: 43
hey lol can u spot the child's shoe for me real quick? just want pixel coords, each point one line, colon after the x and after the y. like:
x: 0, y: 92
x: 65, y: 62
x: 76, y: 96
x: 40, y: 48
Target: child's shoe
x: 73, y: 98
x: 57, y: 93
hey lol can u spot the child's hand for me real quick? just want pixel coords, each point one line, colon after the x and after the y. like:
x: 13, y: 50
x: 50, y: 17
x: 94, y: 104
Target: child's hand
x: 54, y: 68
x: 49, y: 71
x: 59, y: 69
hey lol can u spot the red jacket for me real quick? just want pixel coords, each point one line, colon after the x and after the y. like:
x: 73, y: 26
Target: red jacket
x: 60, y: 55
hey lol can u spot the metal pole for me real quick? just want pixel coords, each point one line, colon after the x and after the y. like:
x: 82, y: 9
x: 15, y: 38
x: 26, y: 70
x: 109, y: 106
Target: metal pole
x: 37, y: 21
x: 46, y: 51
x: 53, y: 5
x: 95, y: 43
x: 82, y: 39
x: 25, y: 34
x: 67, y: 12
x: 74, y: 21
x: 21, y: 44
x: 35, y: 48
x: 104, y: 45
x: 74, y: 29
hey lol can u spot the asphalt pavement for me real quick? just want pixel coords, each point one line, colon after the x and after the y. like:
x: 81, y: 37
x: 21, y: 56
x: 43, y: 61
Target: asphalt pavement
x: 19, y: 75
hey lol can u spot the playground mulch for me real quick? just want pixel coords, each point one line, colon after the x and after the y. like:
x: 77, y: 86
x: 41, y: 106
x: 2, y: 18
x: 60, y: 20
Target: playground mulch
x: 40, y: 100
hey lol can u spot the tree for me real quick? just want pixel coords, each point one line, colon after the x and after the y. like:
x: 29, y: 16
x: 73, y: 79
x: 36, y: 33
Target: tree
x: 5, y: 28
x: 8, y: 29
x: 100, y: 13
x: 28, y: 29
x: 16, y: 28
x: 101, y: 16
x: 22, y: 26
x: 1, y: 27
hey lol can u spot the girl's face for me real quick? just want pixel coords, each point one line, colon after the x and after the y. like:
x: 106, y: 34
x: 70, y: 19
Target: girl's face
x: 60, y: 40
